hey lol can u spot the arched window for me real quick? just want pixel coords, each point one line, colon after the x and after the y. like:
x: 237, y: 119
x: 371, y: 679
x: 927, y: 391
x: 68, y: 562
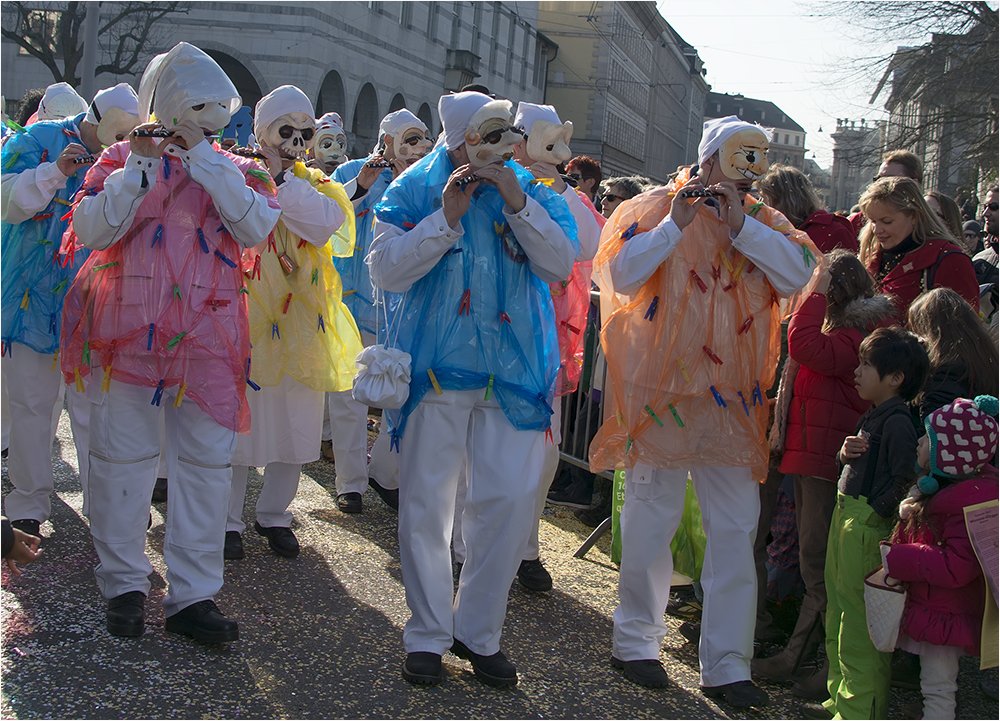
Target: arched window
x: 397, y: 103
x: 331, y: 95
x: 366, y: 120
x: 424, y: 113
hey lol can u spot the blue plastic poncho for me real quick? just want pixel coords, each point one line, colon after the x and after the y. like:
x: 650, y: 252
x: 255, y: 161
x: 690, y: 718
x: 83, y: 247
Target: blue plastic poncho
x: 34, y: 279
x: 353, y: 270
x: 480, y: 318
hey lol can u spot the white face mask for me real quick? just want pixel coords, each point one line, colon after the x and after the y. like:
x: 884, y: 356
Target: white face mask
x: 412, y: 144
x: 208, y: 116
x: 549, y: 143
x: 331, y: 149
x: 292, y: 134
x: 491, y: 138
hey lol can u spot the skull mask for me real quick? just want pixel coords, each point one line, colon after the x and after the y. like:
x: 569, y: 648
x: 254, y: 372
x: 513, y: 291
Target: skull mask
x: 549, y: 143
x: 491, y: 136
x: 744, y: 155
x: 283, y: 119
x: 411, y: 143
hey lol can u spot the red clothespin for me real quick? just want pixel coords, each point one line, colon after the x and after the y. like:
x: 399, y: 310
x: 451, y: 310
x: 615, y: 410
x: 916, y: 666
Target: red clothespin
x: 698, y: 281
x: 746, y: 325
x: 271, y: 245
x: 716, y: 272
x: 548, y: 436
x: 504, y: 318
x: 255, y: 273
x: 301, y: 243
x: 573, y: 328
x: 42, y: 216
x: 715, y: 358
x: 750, y: 268
x: 466, y: 306
x: 288, y: 300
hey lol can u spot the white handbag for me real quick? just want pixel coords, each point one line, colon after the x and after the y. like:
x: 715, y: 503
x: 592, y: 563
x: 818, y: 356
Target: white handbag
x: 383, y: 377
x: 884, y: 604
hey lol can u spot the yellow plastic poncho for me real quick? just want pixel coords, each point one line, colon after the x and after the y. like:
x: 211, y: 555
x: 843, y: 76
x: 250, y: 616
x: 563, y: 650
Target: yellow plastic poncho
x: 298, y: 322
x: 690, y: 354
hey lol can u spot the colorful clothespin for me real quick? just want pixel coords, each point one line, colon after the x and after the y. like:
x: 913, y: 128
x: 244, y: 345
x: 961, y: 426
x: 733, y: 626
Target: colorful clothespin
x: 715, y: 358
x: 106, y: 383
x: 619, y: 418
x: 255, y: 273
x: 78, y: 379
x: 45, y: 155
x: 224, y: 259
x: 5, y: 350
x: 746, y: 325
x: 489, y: 388
x: 288, y: 299
x: 43, y: 241
x: 13, y: 159
x: 180, y: 395
x: 24, y: 299
x: 628, y: 444
x: 62, y: 284
x: 271, y: 245
x: 55, y: 360
x: 62, y: 202
x: 106, y: 266
x: 716, y: 272
x: 301, y: 243
x: 498, y: 227
x: 807, y: 255
x: 434, y: 381
x: 651, y: 311
x: 504, y: 318
x: 757, y: 395
x: 630, y: 231
x: 252, y: 384
x: 548, y: 436
x: 718, y: 397
x: 698, y: 281
x: 177, y: 292
x: 676, y: 416
x: 754, y: 209
x: 725, y: 260
x: 321, y: 325
x: 743, y: 401
x: 149, y: 341
x: 466, y: 307
x: 573, y: 328
x: 157, y: 394
x: 166, y: 166
x: 202, y: 241
x: 42, y: 216
x: 684, y: 370
x: 86, y: 353
x: 650, y: 412
x: 176, y: 339
x: 275, y: 333
x: 53, y: 328
x: 750, y: 268
x: 157, y: 237
x: 315, y: 276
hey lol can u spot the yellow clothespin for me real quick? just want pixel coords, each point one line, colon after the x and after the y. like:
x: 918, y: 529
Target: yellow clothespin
x: 180, y: 395
x: 434, y: 382
x: 684, y: 370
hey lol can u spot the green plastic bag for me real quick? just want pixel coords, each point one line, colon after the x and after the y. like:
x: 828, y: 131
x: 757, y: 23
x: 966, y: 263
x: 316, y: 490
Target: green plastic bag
x: 688, y: 546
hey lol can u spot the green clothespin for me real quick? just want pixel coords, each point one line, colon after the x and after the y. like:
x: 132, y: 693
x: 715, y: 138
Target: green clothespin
x: 315, y: 276
x: 489, y: 388
x: 175, y: 340
x: 650, y: 412
x: 177, y: 292
x: 677, y: 418
x: 807, y: 255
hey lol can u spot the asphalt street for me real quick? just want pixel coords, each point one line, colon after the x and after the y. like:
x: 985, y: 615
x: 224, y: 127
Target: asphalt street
x: 321, y: 635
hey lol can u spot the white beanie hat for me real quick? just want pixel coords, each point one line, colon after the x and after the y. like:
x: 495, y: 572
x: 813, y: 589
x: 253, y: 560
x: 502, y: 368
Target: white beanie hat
x: 283, y: 100
x: 719, y: 130
x: 456, y: 111
x: 121, y: 96
x: 60, y: 101
x: 528, y: 113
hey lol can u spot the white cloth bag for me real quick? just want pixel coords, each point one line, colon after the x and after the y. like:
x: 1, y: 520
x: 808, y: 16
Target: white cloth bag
x: 884, y: 603
x: 383, y: 377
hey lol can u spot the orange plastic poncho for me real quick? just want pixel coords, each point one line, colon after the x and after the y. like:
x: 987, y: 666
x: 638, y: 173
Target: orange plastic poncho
x: 691, y: 352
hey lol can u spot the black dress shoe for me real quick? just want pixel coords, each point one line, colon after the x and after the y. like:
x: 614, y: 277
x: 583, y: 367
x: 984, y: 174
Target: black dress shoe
x: 28, y: 525
x: 741, y: 694
x: 533, y: 576
x: 350, y: 503
x: 646, y: 672
x: 422, y: 667
x: 494, y: 670
x: 389, y: 496
x: 281, y: 540
x: 233, y: 549
x: 160, y: 491
x: 203, y: 621
x: 126, y: 614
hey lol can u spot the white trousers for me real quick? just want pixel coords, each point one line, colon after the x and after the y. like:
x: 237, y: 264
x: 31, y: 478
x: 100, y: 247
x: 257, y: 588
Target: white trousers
x: 503, y: 470
x: 939, y: 679
x: 281, y: 483
x: 349, y: 431
x: 654, y: 504
x: 34, y: 397
x: 124, y: 454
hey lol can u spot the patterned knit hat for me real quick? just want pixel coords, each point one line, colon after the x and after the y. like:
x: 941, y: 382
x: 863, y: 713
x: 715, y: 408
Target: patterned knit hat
x: 963, y: 436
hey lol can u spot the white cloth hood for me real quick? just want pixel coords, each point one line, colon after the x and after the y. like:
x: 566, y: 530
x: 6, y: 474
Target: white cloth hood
x: 286, y: 100
x: 121, y: 96
x: 719, y: 130
x: 60, y: 101
x: 180, y: 79
x: 456, y: 112
x: 528, y: 113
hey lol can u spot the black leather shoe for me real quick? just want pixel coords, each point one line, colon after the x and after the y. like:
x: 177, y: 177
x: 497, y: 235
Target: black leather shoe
x: 533, y: 576
x: 350, y: 503
x: 815, y: 711
x: 28, y: 525
x: 126, y: 614
x: 160, y: 491
x: 233, y: 550
x: 494, y: 670
x: 203, y: 621
x: 389, y: 496
x: 281, y: 539
x: 646, y: 672
x: 741, y: 694
x: 422, y: 667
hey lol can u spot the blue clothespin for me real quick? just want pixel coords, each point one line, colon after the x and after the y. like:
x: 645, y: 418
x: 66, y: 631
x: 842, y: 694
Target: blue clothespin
x: 253, y: 385
x: 225, y: 260
x: 757, y: 396
x: 275, y: 331
x: 322, y: 327
x: 651, y: 311
x: 202, y: 241
x: 220, y: 229
x: 394, y: 441
x: 157, y: 394
x: 53, y: 329
x: 166, y: 167
x: 743, y: 401
x: 149, y: 343
x: 158, y: 237
x: 718, y: 398
x: 630, y: 231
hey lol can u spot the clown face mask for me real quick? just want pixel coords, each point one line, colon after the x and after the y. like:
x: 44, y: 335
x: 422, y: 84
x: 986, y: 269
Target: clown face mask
x: 549, y: 143
x: 331, y: 149
x: 411, y: 144
x: 743, y: 156
x: 491, y: 136
x: 292, y: 134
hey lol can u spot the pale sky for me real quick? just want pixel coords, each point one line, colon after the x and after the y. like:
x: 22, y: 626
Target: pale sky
x: 773, y: 50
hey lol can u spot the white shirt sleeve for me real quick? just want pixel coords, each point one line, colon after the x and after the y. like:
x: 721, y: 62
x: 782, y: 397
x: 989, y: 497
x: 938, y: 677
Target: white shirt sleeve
x: 101, y: 220
x: 29, y: 192
x: 399, y: 258
x: 245, y: 213
x: 550, y: 251
x: 306, y: 212
x: 588, y: 230
x: 642, y: 254
x: 781, y: 259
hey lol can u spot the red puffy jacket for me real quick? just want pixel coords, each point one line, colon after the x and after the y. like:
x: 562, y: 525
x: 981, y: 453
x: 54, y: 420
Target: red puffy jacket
x: 907, y: 280
x: 825, y: 405
x: 945, y: 590
x: 829, y: 231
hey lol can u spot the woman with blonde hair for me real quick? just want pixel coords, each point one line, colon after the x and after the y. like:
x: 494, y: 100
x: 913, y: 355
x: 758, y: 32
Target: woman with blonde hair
x: 789, y: 191
x: 906, y: 247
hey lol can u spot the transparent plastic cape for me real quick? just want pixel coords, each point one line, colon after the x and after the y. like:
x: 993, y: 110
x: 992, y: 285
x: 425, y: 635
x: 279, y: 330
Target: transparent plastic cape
x: 571, y: 299
x: 165, y: 307
x: 298, y: 324
x: 35, y: 278
x: 358, y: 294
x: 687, y: 367
x: 480, y: 318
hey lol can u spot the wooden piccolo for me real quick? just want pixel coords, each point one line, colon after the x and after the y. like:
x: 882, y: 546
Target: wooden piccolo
x: 699, y: 193
x: 379, y: 164
x: 84, y: 160
x: 154, y: 133
x: 462, y: 182
x: 247, y: 153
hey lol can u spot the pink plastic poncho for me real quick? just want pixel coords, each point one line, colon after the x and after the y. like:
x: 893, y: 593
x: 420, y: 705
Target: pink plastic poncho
x: 691, y: 352
x: 298, y: 322
x: 571, y: 300
x: 165, y: 306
